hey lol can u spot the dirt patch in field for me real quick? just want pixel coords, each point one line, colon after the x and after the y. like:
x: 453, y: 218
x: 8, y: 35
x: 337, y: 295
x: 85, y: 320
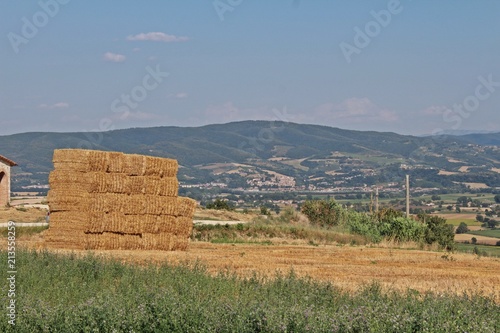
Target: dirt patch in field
x: 349, y: 267
x: 222, y: 215
x: 446, y: 173
x: 477, y: 185
x: 464, y: 168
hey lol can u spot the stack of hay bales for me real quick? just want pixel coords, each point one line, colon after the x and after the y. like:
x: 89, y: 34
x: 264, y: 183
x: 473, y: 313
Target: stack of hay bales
x: 111, y: 200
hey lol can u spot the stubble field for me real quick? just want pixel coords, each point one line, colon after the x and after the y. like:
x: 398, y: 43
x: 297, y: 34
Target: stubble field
x: 347, y: 267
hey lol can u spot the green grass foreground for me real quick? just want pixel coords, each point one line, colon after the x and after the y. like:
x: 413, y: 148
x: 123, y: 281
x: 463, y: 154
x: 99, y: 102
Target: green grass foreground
x: 65, y: 293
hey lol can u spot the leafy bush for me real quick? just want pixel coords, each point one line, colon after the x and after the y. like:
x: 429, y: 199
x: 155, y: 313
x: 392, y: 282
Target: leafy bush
x: 462, y: 228
x: 325, y: 213
x: 437, y: 231
x: 403, y: 229
x: 361, y: 224
x: 219, y: 204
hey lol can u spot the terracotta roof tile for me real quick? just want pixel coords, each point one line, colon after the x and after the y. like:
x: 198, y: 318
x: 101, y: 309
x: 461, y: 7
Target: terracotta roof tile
x: 5, y: 160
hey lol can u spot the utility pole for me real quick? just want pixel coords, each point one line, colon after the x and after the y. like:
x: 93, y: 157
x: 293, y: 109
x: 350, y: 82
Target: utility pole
x: 371, y: 203
x: 407, y: 195
x: 376, y: 199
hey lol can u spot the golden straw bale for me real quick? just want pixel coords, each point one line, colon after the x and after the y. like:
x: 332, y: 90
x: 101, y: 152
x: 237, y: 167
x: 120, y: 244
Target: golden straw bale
x: 71, y: 155
x: 111, y: 222
x: 169, y: 205
x: 68, y: 187
x: 103, y: 182
x: 111, y: 200
x: 133, y: 165
x: 166, y: 186
x: 97, y: 221
x: 98, y: 160
x: 116, y: 183
x: 156, y: 241
x: 169, y: 186
x: 163, y: 167
x: 74, y: 160
x: 116, y: 241
x: 133, y: 204
x: 71, y: 166
x: 70, y: 202
x: 157, y: 205
x: 186, y: 206
x: 115, y: 162
x: 67, y: 217
x: 164, y: 224
x: 183, y: 226
x: 135, y: 184
x: 107, y: 202
x: 64, y: 195
x: 65, y: 176
x: 180, y: 244
x: 92, y: 241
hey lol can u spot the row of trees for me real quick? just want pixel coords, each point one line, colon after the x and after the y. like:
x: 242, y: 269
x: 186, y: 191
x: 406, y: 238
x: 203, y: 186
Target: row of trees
x: 387, y: 223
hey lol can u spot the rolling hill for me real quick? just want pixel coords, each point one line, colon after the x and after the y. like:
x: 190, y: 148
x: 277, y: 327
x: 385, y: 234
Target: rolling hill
x: 237, y: 152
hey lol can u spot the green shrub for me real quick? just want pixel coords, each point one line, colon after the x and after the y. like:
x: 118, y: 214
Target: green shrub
x: 325, y: 213
x: 403, y: 229
x: 462, y: 228
x: 219, y: 204
x: 361, y: 224
x: 437, y: 231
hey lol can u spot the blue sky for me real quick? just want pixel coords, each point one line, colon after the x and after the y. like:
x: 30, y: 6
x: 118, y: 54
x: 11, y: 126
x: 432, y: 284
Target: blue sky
x: 411, y: 67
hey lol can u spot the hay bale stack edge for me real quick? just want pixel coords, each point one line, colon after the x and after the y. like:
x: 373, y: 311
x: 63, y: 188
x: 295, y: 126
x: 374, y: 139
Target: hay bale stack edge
x: 110, y: 200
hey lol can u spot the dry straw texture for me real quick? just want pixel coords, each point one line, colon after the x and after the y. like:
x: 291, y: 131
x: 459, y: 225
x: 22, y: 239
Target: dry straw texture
x: 111, y: 200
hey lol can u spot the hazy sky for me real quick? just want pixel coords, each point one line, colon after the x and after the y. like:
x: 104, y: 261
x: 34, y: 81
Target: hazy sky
x: 411, y: 67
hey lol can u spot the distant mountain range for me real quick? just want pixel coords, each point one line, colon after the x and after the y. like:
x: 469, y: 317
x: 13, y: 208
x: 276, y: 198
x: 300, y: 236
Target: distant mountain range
x: 315, y: 157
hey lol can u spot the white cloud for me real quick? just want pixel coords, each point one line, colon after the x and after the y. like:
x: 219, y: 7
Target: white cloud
x: 59, y: 105
x: 181, y: 95
x: 113, y: 57
x: 157, y: 37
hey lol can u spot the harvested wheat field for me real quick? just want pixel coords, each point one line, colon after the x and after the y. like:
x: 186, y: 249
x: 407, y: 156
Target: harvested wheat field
x: 21, y: 214
x: 345, y: 266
